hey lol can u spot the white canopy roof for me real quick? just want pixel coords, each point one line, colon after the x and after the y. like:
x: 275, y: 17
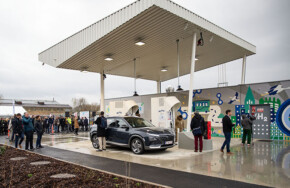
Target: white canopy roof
x: 158, y: 23
x: 8, y: 110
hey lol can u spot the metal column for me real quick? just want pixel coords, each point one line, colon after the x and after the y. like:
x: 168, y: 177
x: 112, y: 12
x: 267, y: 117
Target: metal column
x: 192, y: 69
x: 135, y: 90
x: 102, y: 106
x: 243, y: 80
x: 158, y: 87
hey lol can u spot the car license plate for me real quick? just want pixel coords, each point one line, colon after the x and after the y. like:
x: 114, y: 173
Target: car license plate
x: 168, y: 142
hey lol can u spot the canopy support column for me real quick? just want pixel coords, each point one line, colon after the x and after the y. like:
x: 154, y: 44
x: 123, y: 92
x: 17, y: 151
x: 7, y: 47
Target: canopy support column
x: 243, y: 80
x: 102, y: 80
x: 192, y: 69
x: 158, y: 87
x: 135, y: 90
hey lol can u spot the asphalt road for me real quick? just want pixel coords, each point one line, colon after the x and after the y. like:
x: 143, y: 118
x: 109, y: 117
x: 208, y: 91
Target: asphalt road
x: 158, y: 175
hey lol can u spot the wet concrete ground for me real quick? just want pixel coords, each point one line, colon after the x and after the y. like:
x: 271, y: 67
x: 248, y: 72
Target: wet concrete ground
x: 265, y: 163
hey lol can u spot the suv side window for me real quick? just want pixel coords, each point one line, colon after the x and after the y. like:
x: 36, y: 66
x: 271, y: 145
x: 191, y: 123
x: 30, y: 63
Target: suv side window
x: 111, y: 122
x: 120, y: 123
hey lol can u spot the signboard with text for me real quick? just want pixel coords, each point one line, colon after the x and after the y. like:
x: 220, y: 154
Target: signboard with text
x: 262, y: 124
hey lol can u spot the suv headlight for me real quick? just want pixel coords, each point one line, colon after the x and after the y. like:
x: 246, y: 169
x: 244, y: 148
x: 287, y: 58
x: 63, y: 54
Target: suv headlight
x: 153, y: 137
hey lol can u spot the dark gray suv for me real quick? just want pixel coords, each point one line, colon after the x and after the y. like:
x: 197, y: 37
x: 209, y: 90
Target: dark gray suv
x: 135, y: 133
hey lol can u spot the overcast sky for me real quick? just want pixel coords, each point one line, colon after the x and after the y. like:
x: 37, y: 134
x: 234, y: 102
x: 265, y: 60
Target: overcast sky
x: 31, y: 26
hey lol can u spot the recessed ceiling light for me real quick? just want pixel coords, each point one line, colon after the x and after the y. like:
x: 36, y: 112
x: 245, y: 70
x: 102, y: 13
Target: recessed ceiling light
x: 164, y: 70
x: 140, y: 43
x: 109, y: 59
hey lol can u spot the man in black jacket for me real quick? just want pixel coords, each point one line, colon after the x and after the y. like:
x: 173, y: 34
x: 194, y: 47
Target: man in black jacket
x: 227, y: 129
x: 18, y: 130
x: 81, y: 124
x: 86, y: 123
x: 50, y: 123
x: 101, y: 131
x: 38, y: 127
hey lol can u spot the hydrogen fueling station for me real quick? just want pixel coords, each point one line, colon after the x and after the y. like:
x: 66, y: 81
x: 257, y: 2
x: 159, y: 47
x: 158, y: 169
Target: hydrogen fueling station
x: 159, y: 40
x: 152, y: 40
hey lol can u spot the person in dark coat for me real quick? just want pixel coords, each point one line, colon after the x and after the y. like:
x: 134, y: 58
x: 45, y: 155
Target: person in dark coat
x: 81, y: 124
x: 38, y: 126
x: 197, y: 126
x: 101, y: 131
x: 28, y: 131
x: 18, y: 130
x: 1, y: 127
x: 86, y: 123
x: 62, y: 123
x: 227, y: 129
x: 46, y: 125
x: 50, y: 123
x: 5, y: 126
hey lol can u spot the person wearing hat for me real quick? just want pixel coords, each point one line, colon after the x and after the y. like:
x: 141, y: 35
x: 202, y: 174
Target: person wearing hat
x: 197, y: 126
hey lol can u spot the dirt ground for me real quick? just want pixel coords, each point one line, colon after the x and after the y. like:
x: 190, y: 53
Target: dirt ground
x: 22, y: 174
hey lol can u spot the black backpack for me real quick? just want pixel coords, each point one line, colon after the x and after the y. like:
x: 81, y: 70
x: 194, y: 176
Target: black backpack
x: 103, y: 122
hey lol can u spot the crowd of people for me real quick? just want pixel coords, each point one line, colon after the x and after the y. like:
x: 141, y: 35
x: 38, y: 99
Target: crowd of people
x: 4, y: 126
x: 23, y: 127
x: 64, y: 124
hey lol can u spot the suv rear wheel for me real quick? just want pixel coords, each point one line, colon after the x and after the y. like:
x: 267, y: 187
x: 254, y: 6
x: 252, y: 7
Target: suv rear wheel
x: 137, y: 146
x: 95, y: 141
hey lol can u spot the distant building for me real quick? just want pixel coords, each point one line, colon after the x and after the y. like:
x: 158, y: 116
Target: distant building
x: 33, y: 107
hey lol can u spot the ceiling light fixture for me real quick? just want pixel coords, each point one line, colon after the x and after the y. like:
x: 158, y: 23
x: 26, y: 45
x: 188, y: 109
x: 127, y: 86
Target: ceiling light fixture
x: 164, y: 69
x: 109, y: 59
x: 140, y: 43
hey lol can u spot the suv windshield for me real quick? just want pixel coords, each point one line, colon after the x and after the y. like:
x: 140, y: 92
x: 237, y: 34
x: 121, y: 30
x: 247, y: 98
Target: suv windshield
x: 138, y: 122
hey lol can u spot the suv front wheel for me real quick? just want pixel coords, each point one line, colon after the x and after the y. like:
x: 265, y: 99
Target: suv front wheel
x: 95, y: 141
x: 137, y: 146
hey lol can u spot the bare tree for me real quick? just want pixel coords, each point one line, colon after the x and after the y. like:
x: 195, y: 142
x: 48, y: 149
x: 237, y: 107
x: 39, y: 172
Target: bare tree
x: 81, y: 104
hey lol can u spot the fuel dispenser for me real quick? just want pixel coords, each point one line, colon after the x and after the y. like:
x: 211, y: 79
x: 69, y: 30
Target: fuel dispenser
x: 123, y: 108
x: 163, y: 111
